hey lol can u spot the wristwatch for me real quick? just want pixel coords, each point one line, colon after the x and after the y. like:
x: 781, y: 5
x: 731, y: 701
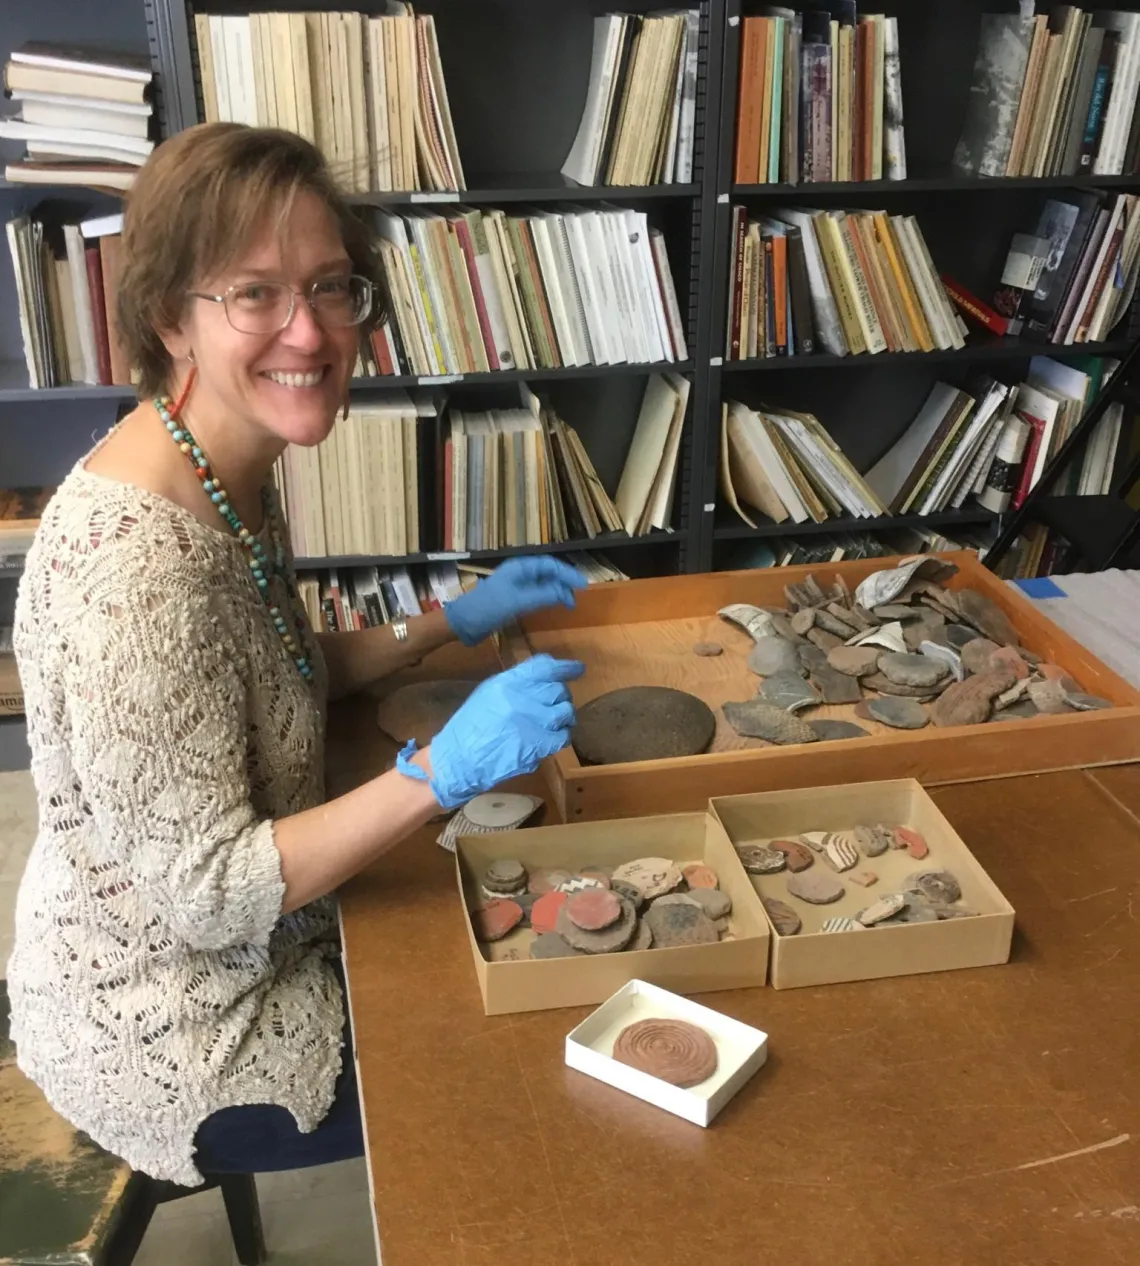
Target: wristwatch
x: 400, y: 630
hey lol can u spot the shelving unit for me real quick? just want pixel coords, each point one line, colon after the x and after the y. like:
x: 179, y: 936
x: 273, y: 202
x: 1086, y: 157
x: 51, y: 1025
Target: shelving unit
x: 517, y: 72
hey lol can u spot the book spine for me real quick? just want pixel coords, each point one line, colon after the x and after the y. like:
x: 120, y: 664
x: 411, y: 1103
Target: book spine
x: 1004, y: 477
x: 463, y: 234
x: 1033, y: 448
x: 1108, y: 266
x: 802, y: 318
x: 974, y: 307
x: 1094, y: 122
x: 893, y: 105
x: 98, y: 313
x: 734, y: 299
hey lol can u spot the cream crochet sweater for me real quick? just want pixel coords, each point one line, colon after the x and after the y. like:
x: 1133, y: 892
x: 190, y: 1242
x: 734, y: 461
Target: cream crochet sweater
x: 154, y: 979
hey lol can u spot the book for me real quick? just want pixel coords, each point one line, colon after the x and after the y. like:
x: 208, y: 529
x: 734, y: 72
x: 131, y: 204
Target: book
x: 999, y: 76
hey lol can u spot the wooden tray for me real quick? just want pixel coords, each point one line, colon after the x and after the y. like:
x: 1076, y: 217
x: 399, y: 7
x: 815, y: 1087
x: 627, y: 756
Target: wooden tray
x: 642, y: 632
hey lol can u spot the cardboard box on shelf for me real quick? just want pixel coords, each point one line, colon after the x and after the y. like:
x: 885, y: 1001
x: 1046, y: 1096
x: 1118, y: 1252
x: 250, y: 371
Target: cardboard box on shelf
x: 510, y: 981
x: 812, y: 957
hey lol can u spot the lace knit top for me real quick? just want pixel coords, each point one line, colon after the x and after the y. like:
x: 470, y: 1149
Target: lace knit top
x: 154, y: 980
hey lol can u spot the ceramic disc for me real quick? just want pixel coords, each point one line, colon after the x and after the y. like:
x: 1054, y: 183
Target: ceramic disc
x: 498, y: 811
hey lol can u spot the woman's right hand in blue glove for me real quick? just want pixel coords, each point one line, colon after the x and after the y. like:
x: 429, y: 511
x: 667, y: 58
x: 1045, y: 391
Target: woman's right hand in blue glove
x: 505, y: 727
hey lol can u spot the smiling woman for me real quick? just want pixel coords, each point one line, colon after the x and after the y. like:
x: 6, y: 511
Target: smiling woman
x: 173, y: 984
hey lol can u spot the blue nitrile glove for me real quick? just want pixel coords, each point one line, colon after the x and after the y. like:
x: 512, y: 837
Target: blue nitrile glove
x: 518, y: 587
x: 504, y: 728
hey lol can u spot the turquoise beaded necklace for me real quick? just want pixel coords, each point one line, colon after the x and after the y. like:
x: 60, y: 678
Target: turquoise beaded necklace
x: 261, y: 566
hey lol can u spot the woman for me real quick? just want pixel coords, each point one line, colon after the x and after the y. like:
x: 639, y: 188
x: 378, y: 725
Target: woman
x: 175, y: 948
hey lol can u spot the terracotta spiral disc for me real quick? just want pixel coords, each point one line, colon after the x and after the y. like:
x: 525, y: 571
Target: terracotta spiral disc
x: 672, y: 1050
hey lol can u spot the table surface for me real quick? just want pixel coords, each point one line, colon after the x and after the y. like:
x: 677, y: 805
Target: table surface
x: 950, y: 1119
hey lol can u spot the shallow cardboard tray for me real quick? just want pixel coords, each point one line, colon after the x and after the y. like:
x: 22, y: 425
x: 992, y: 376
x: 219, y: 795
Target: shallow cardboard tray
x: 822, y: 958
x: 511, y: 981
x: 642, y: 633
x: 741, y: 1050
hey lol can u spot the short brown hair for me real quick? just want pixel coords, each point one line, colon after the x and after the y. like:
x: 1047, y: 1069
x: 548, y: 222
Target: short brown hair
x: 193, y: 208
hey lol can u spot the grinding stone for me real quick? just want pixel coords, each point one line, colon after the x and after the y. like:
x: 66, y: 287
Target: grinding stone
x: 788, y: 690
x: 642, y: 723
x: 772, y: 655
x: 757, y: 719
x: 899, y: 713
x: 830, y: 731
x: 419, y: 711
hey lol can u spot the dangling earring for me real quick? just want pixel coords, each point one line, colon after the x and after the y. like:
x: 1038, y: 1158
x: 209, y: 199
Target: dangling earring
x: 190, y: 357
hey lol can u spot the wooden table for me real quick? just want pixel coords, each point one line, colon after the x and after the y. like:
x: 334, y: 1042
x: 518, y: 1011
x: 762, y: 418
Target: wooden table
x: 973, y: 1117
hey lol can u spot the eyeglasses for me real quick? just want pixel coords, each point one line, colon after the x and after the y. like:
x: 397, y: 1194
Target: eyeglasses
x: 264, y: 307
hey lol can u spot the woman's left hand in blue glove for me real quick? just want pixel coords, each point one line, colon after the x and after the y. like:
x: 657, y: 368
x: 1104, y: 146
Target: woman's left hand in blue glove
x: 518, y: 587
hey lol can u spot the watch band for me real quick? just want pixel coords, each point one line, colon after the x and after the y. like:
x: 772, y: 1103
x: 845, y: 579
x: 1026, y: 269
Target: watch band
x: 400, y: 630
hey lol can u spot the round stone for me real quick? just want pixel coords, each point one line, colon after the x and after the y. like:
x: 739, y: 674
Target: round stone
x: 673, y: 1051
x: 713, y: 901
x: 897, y: 712
x: 913, y: 842
x: 938, y: 886
x: 543, y: 881
x: 642, y: 723
x: 594, y: 909
x: 544, y: 912
x: 771, y: 655
x: 496, y: 918
x: 606, y: 941
x: 816, y: 887
x: 700, y: 876
x: 758, y: 860
x: 682, y: 923
x: 885, y: 908
x: 505, y: 875
x: 798, y: 856
x: 651, y: 876
x: 551, y: 945
x: 912, y: 670
x: 784, y: 919
x: 708, y: 650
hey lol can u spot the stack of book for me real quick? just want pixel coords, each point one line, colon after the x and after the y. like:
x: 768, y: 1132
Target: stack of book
x: 637, y: 122
x: 66, y: 288
x: 340, y: 600
x: 368, y: 92
x: 473, y: 291
x: 83, y: 115
x: 409, y: 474
x: 820, y: 97
x: 1054, y: 96
x: 1070, y: 281
x: 787, y: 466
x: 843, y: 282
x: 992, y: 440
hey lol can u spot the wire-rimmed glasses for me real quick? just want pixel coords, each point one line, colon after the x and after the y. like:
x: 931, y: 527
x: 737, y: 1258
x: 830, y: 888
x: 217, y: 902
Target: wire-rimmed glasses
x: 264, y: 307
